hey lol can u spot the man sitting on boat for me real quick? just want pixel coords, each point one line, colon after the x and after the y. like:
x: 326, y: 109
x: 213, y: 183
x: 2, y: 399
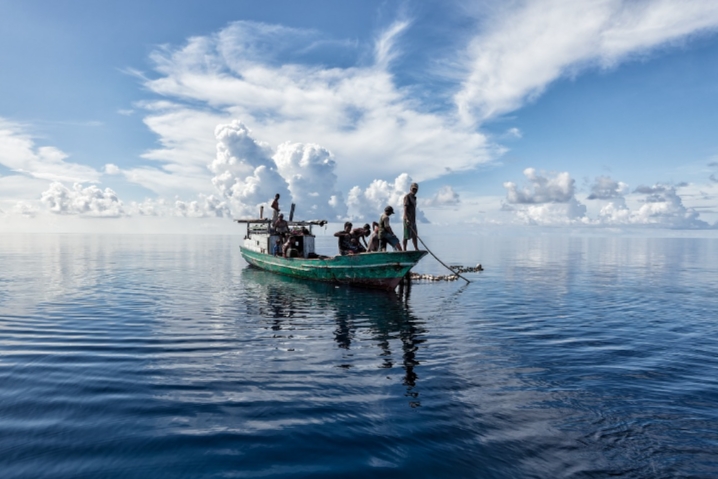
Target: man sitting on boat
x: 277, y: 248
x: 347, y: 243
x: 386, y: 235
x: 287, y: 249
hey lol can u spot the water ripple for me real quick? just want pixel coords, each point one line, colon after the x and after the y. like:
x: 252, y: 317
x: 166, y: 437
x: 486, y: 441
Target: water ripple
x: 168, y: 357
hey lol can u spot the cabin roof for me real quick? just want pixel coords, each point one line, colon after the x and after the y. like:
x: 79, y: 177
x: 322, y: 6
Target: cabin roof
x: 291, y: 223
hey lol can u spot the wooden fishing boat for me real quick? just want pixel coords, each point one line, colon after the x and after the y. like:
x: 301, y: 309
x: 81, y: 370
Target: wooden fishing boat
x: 382, y: 270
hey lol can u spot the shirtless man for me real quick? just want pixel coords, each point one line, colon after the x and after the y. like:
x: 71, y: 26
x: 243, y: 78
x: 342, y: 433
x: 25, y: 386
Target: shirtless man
x: 386, y: 235
x: 281, y: 227
x: 275, y: 209
x: 373, y: 243
x: 345, y: 244
x: 359, y: 235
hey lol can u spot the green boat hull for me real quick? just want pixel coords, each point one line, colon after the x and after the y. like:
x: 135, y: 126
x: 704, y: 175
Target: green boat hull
x: 382, y: 270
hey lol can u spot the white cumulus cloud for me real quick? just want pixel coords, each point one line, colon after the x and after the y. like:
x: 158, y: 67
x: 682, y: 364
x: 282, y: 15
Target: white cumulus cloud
x: 606, y: 188
x: 203, y: 207
x: 368, y: 204
x: 661, y: 206
x: 88, y: 201
x: 112, y: 169
x: 24, y: 208
x: 245, y: 172
x: 309, y: 172
x: 546, y: 200
x: 446, y: 196
x: 550, y: 200
x: 541, y: 189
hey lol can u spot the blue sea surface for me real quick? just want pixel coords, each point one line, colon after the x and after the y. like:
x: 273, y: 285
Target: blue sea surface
x: 168, y: 357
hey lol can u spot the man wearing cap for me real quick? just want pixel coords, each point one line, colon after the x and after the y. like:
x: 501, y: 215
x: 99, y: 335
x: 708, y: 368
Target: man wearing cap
x: 386, y: 235
x: 410, y: 216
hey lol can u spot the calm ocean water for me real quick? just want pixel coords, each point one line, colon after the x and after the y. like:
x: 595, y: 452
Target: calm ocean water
x: 166, y: 356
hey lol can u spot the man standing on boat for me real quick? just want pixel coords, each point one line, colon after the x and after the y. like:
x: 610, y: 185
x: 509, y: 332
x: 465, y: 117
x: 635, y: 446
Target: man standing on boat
x: 373, y: 243
x: 410, y: 217
x: 281, y: 227
x: 386, y: 235
x: 275, y: 209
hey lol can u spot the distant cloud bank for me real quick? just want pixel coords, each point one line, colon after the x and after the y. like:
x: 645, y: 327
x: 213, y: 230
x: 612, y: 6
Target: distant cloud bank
x: 550, y: 200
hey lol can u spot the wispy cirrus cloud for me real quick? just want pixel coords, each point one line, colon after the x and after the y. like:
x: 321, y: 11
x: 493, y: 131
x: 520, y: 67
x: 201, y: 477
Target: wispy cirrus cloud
x: 524, y: 46
x: 259, y: 74
x: 20, y: 153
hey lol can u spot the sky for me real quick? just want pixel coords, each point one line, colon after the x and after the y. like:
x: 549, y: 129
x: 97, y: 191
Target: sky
x: 134, y: 116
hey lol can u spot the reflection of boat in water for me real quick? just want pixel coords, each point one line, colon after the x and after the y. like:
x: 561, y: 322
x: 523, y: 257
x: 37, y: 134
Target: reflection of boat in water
x: 385, y: 317
x: 382, y: 270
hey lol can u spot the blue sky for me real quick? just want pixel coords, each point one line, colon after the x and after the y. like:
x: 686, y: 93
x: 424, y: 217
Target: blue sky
x: 556, y: 113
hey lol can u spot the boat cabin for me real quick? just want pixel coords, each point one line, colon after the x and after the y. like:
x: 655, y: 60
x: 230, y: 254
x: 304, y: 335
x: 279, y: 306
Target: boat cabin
x: 261, y: 237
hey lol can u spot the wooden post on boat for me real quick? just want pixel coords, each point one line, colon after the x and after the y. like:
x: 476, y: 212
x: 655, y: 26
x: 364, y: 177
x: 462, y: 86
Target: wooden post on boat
x: 291, y: 212
x: 261, y: 212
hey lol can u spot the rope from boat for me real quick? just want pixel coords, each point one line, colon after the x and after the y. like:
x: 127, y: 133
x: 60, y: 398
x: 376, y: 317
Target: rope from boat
x: 436, y: 257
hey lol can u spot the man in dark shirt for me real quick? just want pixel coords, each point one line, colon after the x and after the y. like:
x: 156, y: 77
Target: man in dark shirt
x: 410, y: 216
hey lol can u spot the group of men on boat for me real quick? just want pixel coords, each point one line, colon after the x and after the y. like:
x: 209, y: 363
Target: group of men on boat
x: 354, y: 240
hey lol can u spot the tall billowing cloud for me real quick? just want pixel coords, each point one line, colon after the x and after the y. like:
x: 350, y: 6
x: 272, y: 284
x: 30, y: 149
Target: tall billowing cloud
x: 88, y: 201
x: 526, y: 45
x: 368, y: 204
x: 309, y: 172
x: 244, y: 170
